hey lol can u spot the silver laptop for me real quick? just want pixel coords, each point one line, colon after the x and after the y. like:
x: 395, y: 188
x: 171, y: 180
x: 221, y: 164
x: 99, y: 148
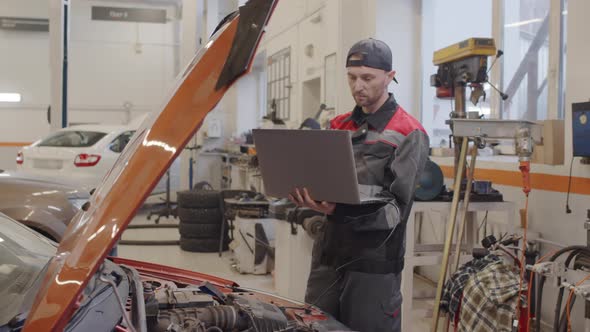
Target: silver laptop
x: 320, y: 160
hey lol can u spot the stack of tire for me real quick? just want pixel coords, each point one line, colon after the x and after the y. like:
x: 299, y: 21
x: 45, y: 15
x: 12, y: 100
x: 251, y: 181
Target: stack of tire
x: 200, y: 217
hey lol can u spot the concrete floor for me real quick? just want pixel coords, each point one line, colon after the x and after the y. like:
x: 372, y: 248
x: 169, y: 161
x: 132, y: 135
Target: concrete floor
x: 211, y: 263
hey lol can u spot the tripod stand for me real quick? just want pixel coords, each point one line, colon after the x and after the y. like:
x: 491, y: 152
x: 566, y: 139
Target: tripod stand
x: 169, y: 208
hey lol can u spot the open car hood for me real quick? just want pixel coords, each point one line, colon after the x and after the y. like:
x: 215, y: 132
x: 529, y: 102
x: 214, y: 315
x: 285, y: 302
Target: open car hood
x: 158, y: 141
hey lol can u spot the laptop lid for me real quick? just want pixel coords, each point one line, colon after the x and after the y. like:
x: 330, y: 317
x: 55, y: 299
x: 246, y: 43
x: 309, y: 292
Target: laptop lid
x: 320, y: 160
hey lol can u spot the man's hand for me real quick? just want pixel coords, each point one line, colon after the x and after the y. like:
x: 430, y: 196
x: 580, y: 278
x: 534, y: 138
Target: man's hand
x: 301, y: 198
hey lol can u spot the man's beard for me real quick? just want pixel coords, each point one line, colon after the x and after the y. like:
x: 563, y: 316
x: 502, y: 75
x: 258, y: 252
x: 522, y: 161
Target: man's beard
x: 365, y: 101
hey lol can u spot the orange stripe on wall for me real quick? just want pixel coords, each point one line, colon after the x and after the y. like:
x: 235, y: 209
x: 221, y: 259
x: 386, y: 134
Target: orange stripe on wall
x: 539, y: 181
x: 14, y: 144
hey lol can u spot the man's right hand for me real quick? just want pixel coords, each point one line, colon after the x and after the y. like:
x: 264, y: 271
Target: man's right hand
x: 301, y: 198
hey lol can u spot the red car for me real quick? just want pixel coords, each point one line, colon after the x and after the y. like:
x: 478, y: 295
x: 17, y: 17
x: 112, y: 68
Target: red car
x: 78, y: 289
x: 126, y: 295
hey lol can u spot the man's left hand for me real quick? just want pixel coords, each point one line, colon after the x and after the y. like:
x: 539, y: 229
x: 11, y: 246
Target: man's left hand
x: 301, y: 198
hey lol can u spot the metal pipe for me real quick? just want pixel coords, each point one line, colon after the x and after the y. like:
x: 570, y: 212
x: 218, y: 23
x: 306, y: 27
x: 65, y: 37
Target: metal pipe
x: 64, y: 81
x: 459, y: 112
x: 465, y: 208
x: 450, y: 232
x: 460, y: 99
x: 466, y: 200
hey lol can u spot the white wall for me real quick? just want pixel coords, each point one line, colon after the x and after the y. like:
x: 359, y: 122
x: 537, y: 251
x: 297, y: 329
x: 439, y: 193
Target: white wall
x: 398, y: 24
x: 356, y: 21
x: 118, y: 63
x: 25, y: 69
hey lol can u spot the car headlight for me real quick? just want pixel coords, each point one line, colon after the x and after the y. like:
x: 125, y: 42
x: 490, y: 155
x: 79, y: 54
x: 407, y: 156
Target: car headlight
x: 78, y: 202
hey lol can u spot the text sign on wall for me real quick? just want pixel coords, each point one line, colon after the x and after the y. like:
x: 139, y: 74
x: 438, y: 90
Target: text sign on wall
x: 24, y: 24
x: 144, y: 15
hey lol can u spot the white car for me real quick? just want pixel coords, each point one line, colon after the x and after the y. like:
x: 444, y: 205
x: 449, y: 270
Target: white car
x: 83, y: 154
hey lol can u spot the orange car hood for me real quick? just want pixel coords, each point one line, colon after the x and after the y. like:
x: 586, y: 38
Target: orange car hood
x: 161, y: 138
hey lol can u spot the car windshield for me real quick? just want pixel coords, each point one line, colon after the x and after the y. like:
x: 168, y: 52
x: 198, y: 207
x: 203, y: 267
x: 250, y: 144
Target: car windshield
x: 23, y: 256
x: 73, y: 139
x: 119, y: 143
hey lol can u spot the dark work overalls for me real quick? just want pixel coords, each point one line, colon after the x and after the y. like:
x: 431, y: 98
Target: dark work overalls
x: 360, y: 253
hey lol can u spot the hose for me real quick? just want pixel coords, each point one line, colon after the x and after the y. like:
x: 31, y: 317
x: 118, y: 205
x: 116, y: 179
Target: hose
x: 557, y: 321
x: 542, y: 281
x: 567, y: 311
x: 214, y: 328
x: 524, y: 246
x: 530, y: 290
x: 564, y: 314
x: 569, y: 301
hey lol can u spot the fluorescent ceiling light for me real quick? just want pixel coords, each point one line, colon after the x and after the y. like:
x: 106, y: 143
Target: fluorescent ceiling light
x: 10, y: 97
x: 521, y: 23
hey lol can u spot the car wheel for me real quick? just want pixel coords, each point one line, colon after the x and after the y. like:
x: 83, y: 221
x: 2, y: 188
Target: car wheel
x: 199, y: 199
x: 200, y: 231
x: 199, y: 216
x: 201, y: 245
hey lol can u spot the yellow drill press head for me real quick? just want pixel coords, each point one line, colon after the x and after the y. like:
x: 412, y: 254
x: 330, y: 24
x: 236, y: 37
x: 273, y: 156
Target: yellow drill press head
x: 463, y: 63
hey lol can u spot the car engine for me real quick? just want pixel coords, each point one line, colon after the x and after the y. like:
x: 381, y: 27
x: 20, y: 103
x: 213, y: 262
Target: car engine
x: 173, y: 309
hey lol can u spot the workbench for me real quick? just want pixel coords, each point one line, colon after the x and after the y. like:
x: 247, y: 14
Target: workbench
x: 419, y: 254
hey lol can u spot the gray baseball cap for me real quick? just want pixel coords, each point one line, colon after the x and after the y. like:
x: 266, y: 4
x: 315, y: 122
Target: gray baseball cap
x: 374, y: 53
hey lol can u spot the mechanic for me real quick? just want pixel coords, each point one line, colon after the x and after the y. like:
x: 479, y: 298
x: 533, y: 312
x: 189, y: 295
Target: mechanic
x: 357, y: 261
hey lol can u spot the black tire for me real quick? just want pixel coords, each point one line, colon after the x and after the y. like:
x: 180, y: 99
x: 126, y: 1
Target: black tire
x: 201, y: 245
x: 199, y: 199
x: 148, y: 242
x: 200, y: 231
x: 199, y: 216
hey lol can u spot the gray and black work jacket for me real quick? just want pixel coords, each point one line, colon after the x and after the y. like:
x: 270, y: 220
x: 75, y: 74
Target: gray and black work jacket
x: 390, y: 149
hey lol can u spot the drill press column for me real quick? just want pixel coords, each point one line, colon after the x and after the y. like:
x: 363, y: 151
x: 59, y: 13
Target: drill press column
x: 459, y: 112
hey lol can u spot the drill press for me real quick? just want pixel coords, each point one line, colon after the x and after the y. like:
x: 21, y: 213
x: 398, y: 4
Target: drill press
x: 460, y: 66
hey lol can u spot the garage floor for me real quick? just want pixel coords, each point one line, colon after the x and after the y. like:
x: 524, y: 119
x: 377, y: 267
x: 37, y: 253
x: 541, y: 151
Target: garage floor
x: 221, y: 266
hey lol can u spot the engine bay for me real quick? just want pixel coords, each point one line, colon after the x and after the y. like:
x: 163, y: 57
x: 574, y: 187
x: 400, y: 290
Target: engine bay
x: 170, y: 308
x: 159, y: 303
x: 129, y: 298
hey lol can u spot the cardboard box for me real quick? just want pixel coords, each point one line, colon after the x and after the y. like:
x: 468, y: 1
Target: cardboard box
x: 553, y: 142
x: 442, y: 152
x: 538, y: 156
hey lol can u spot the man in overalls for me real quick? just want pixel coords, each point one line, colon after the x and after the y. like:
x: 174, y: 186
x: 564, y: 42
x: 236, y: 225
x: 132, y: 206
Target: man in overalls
x: 357, y: 261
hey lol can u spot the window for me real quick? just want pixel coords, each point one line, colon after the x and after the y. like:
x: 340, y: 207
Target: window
x: 119, y: 143
x: 526, y: 59
x: 279, y: 84
x: 441, y: 28
x: 73, y: 139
